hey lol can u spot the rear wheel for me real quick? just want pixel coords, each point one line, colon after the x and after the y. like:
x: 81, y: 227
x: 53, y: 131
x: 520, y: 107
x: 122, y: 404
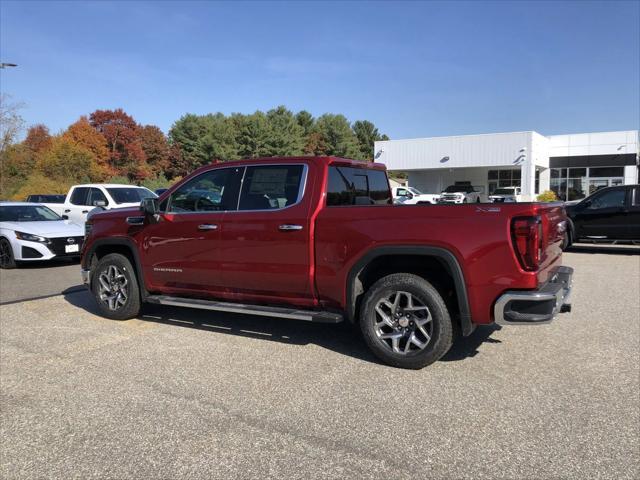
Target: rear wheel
x: 405, y: 321
x: 115, y: 287
x: 7, y: 260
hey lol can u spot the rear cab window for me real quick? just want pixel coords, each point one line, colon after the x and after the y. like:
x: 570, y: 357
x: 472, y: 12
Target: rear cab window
x: 357, y: 186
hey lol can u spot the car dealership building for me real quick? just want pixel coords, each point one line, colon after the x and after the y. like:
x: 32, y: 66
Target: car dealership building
x: 573, y: 165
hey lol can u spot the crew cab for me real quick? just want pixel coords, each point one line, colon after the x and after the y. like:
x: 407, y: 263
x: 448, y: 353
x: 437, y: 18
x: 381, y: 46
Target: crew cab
x: 413, y: 196
x: 460, y: 194
x: 83, y: 198
x: 609, y: 215
x: 318, y: 239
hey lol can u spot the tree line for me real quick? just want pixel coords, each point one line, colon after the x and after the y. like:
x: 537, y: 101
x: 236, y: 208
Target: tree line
x: 110, y: 146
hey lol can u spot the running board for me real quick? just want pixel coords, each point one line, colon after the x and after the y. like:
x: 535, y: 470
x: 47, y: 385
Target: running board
x: 265, y: 311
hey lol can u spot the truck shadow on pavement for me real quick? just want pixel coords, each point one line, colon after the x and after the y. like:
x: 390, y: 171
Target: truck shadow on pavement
x: 341, y: 338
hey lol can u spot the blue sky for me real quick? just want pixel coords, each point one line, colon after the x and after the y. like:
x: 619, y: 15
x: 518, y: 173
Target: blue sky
x: 414, y: 69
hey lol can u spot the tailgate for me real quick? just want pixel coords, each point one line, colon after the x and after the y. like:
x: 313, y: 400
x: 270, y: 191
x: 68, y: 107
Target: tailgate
x: 554, y: 226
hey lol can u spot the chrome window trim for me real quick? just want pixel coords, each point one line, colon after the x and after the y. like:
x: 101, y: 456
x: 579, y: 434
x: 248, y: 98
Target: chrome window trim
x: 301, y: 189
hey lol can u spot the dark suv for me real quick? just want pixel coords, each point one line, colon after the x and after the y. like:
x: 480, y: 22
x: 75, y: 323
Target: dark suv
x: 611, y: 214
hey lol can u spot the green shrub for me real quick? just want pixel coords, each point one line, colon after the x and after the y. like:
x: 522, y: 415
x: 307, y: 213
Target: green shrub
x: 548, y: 196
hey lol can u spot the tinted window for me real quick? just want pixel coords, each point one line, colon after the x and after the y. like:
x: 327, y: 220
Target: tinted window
x: 357, y: 186
x: 458, y: 188
x: 27, y: 213
x: 636, y: 197
x: 97, y: 196
x: 271, y: 187
x: 129, y: 194
x: 215, y: 190
x: 610, y: 199
x: 79, y: 196
x: 46, y: 198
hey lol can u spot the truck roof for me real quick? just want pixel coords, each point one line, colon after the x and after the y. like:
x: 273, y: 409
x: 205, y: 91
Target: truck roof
x: 325, y: 160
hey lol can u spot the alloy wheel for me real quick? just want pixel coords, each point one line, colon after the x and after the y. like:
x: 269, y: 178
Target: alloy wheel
x: 5, y: 253
x: 403, y: 323
x: 113, y: 287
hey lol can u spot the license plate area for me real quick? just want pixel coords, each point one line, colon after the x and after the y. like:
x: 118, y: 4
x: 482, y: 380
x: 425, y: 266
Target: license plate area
x: 71, y: 248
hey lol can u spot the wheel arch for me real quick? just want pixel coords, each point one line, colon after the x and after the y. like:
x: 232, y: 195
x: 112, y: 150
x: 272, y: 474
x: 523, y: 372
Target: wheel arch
x: 434, y: 261
x: 123, y: 246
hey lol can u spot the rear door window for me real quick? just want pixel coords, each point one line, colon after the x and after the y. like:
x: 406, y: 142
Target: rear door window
x: 271, y: 187
x: 79, y: 196
x: 357, y: 186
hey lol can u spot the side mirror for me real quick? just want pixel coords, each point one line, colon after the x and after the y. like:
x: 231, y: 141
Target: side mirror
x: 149, y: 206
x: 99, y: 203
x: 409, y: 195
x: 65, y: 217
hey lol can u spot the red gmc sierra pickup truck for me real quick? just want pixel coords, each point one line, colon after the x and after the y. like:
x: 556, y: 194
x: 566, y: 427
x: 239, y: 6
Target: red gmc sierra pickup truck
x: 318, y: 239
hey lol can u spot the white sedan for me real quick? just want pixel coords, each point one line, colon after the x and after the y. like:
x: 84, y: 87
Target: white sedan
x: 31, y: 232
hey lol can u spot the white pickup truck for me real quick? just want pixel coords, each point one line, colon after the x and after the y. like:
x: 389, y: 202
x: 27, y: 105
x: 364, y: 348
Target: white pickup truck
x: 83, y: 198
x: 412, y: 196
x: 505, y: 195
x: 460, y: 194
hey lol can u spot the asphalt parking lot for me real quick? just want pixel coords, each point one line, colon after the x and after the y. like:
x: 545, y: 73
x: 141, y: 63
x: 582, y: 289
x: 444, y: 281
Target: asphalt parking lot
x: 184, y: 393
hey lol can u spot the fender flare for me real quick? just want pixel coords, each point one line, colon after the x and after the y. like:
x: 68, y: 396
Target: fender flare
x: 131, y: 246
x: 446, y: 256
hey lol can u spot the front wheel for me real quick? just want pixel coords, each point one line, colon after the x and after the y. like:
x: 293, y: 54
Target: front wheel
x: 115, y: 287
x: 405, y: 321
x: 7, y: 260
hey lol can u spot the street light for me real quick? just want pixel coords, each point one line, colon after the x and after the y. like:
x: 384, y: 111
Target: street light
x: 5, y: 65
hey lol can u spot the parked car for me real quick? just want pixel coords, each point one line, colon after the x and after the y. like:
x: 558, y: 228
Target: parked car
x: 413, y: 196
x: 46, y: 198
x: 83, y: 198
x: 284, y: 242
x: 460, y: 194
x: 32, y: 232
x: 505, y: 195
x: 610, y: 214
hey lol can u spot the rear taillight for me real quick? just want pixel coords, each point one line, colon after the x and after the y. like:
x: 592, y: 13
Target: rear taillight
x: 526, y: 233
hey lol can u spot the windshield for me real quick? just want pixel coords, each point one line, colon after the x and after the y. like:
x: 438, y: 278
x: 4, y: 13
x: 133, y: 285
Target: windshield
x: 27, y: 213
x: 504, y: 191
x: 415, y: 191
x: 130, y: 195
x: 458, y: 188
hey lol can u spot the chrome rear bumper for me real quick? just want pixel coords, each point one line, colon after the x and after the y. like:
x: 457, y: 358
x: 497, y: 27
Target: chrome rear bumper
x: 536, y: 307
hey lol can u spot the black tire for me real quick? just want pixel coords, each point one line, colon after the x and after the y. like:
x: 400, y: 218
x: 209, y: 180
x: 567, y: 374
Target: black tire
x: 566, y: 240
x: 7, y: 260
x: 478, y: 200
x: 441, y: 334
x: 124, y: 308
x: 464, y: 200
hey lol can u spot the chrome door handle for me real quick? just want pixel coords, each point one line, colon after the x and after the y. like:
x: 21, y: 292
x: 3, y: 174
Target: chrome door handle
x: 289, y: 228
x: 207, y: 226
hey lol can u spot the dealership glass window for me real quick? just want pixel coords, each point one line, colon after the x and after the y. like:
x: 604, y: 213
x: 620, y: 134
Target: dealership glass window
x: 576, y: 183
x: 503, y: 178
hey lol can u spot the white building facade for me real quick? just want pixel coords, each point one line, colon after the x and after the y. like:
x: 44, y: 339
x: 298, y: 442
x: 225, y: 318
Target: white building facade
x: 573, y: 166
